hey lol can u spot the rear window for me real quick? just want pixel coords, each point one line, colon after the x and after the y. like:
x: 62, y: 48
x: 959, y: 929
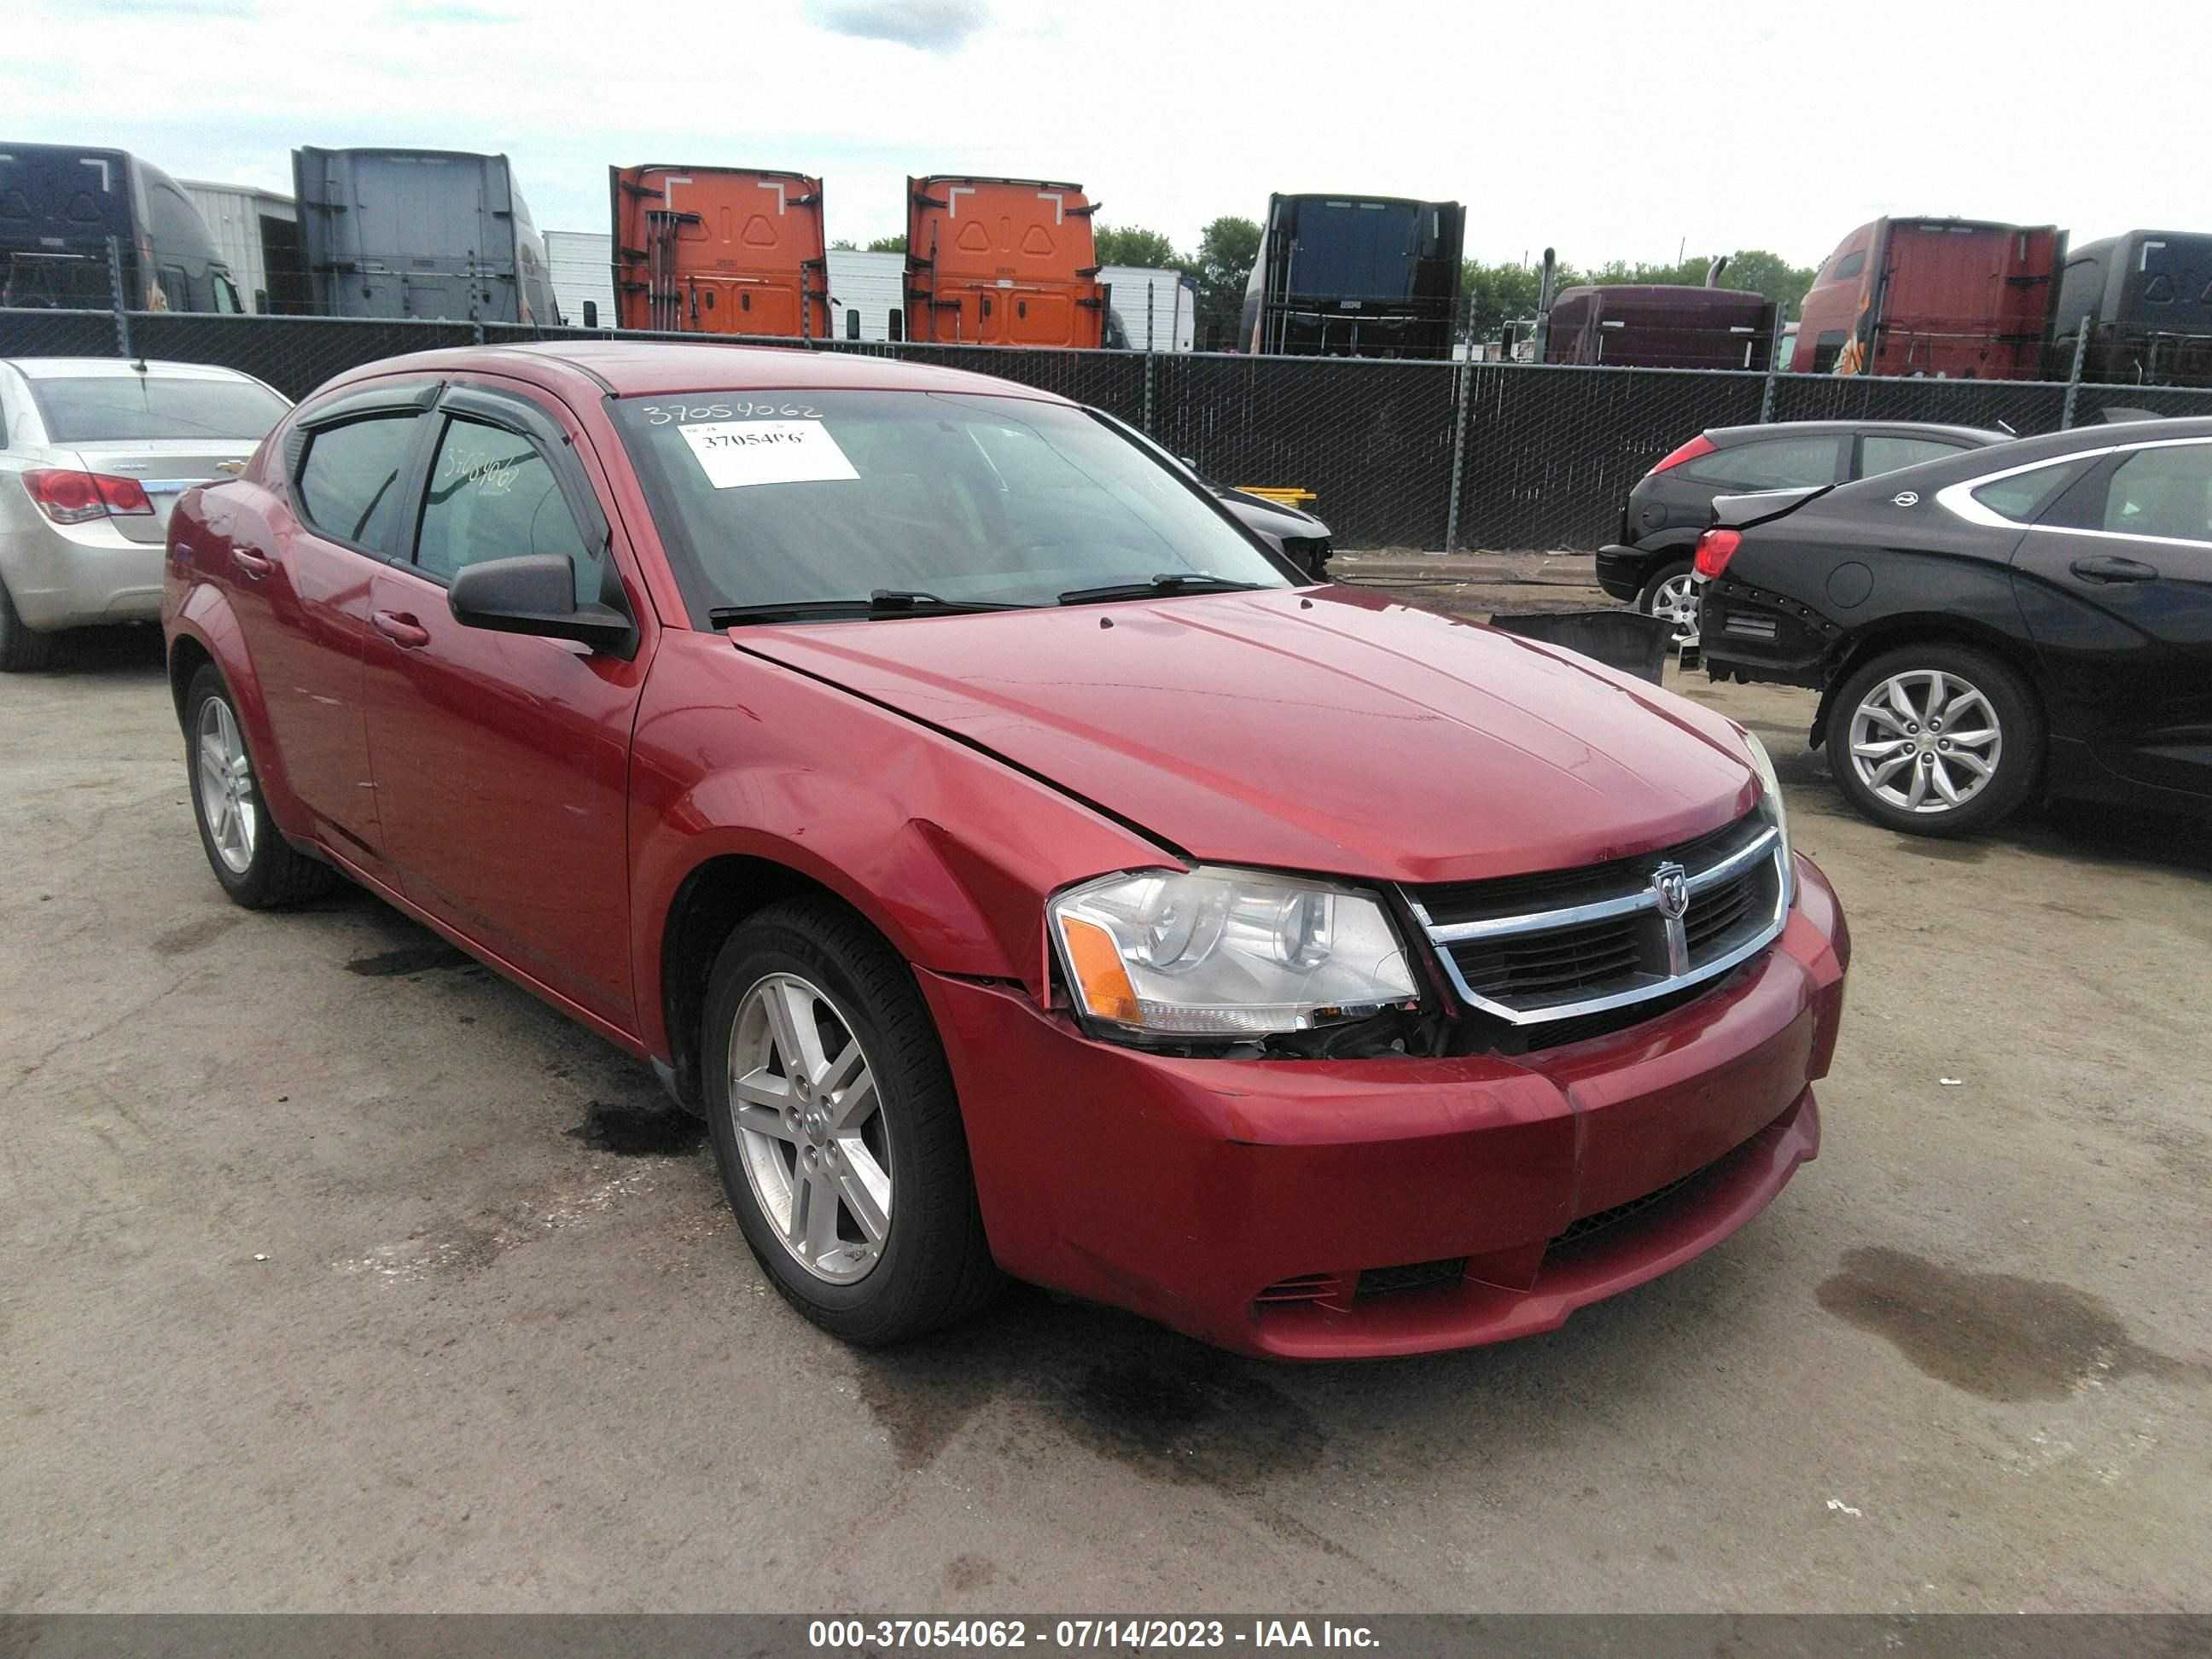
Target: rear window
x: 123, y: 408
x: 1768, y: 464
x: 1880, y: 452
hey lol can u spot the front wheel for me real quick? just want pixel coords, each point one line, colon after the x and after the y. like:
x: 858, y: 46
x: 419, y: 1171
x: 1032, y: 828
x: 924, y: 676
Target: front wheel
x: 257, y: 867
x: 836, y: 1129
x: 1935, y: 740
x: 1670, y: 593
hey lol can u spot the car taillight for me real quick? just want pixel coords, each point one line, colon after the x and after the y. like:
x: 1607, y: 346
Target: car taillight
x: 1714, y: 548
x: 1700, y: 445
x: 69, y: 497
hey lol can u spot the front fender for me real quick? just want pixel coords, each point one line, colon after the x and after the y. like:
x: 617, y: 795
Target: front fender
x: 948, y: 852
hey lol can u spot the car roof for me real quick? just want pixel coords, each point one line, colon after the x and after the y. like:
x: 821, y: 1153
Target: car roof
x: 650, y: 368
x: 95, y: 368
x: 1724, y: 435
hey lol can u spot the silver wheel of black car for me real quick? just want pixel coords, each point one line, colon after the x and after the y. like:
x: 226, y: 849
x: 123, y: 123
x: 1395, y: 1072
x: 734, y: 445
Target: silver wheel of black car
x: 1935, y: 740
x: 1671, y: 595
x: 1926, y: 741
x: 810, y: 1126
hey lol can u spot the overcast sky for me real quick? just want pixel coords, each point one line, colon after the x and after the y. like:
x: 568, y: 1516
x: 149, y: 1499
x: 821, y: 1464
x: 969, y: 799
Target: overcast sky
x: 1608, y: 130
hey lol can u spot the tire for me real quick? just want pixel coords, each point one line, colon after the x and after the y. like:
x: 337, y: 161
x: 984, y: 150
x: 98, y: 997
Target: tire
x: 23, y: 649
x: 928, y: 1265
x: 1991, y: 776
x: 1659, y: 586
x: 256, y: 865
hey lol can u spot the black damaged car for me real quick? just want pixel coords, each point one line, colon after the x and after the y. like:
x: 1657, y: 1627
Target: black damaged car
x: 1671, y: 505
x: 2030, y: 620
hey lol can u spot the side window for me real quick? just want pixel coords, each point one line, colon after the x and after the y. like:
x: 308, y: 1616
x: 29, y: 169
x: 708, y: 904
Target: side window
x: 349, y: 482
x: 1827, y: 346
x: 1880, y: 454
x: 2023, y: 496
x: 493, y: 496
x: 1848, y: 266
x: 2163, y: 492
x: 1769, y: 463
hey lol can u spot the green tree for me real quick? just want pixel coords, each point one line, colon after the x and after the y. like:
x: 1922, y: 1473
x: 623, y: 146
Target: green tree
x: 1492, y: 296
x: 888, y: 244
x: 1772, y: 275
x: 844, y: 246
x: 1753, y: 270
x: 1128, y: 245
x: 1226, y: 250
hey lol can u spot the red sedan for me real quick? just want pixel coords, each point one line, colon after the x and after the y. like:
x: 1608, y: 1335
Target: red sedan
x: 1024, y: 869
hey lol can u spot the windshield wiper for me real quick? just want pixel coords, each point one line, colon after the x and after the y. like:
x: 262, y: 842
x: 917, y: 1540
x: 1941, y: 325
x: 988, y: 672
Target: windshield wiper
x: 884, y: 602
x: 1173, y: 581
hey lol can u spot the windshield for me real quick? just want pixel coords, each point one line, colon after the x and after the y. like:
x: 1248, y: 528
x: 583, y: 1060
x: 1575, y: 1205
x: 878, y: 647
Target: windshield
x: 121, y: 408
x: 767, y: 498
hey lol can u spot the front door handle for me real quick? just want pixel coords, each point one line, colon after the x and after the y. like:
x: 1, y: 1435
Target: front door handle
x: 251, y: 565
x: 2106, y: 567
x: 401, y: 630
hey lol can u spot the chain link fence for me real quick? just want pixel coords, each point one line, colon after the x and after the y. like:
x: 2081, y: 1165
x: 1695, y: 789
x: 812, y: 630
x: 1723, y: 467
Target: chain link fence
x: 1426, y: 455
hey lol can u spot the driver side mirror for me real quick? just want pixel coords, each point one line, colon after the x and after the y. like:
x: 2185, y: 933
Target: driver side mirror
x: 536, y: 594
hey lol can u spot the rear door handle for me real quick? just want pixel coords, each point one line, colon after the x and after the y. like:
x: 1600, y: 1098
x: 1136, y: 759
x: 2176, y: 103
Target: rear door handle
x: 251, y: 565
x: 401, y: 629
x: 2106, y: 567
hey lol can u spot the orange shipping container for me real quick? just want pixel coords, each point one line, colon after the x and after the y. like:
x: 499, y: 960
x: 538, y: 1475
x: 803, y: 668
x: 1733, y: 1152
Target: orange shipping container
x: 1002, y: 262
x: 720, y: 251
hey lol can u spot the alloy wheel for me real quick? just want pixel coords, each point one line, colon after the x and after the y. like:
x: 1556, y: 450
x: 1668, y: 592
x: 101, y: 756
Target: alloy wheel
x: 1925, y: 741
x: 1675, y: 600
x: 226, y: 786
x: 809, y: 1128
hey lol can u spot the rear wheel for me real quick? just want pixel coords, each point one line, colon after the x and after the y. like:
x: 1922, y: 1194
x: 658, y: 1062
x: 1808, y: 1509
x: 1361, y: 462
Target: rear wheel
x: 22, y: 648
x: 1935, y: 740
x: 257, y: 867
x: 836, y: 1129
x: 1670, y: 593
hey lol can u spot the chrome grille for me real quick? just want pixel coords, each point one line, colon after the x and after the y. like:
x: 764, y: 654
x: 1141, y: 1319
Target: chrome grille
x: 1561, y: 944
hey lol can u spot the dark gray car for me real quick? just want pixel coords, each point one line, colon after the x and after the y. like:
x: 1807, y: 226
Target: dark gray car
x: 1671, y: 506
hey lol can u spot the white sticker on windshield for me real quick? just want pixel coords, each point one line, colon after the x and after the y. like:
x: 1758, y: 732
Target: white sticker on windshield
x: 735, y: 453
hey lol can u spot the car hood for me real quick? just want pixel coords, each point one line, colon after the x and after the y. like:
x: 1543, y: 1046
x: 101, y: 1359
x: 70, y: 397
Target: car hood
x: 1330, y: 730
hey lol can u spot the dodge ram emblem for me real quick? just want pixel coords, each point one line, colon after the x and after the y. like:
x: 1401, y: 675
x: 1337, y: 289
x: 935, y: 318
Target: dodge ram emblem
x: 1670, y: 884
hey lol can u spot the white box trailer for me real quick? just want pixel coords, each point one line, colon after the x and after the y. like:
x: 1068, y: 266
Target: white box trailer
x: 867, y: 294
x: 581, y: 265
x: 257, y: 232
x: 1157, y: 309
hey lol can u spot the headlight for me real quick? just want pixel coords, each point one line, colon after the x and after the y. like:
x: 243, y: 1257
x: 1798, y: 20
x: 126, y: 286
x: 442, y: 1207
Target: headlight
x: 1225, y: 953
x: 1770, y: 805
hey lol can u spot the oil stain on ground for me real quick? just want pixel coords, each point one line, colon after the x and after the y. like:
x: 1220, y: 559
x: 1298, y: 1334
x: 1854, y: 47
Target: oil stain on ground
x: 638, y: 1131
x: 1166, y: 1407
x: 1943, y: 852
x: 410, y: 959
x: 192, y: 936
x: 1996, y: 1335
